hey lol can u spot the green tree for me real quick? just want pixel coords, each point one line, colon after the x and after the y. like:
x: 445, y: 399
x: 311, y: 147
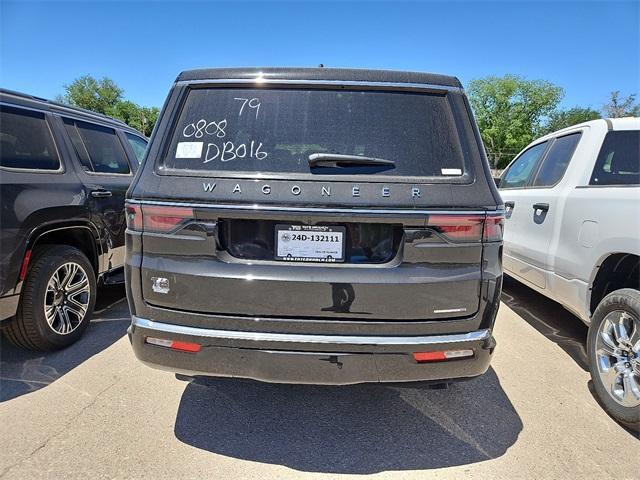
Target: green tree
x: 618, y: 107
x: 127, y: 111
x: 566, y: 118
x: 106, y: 97
x: 509, y: 111
x: 101, y: 96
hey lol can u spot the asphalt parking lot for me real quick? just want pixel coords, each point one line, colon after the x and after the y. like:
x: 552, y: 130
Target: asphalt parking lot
x: 93, y: 411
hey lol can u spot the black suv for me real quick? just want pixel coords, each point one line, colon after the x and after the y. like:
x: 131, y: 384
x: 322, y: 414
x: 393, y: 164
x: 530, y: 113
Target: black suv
x: 64, y: 173
x: 315, y: 226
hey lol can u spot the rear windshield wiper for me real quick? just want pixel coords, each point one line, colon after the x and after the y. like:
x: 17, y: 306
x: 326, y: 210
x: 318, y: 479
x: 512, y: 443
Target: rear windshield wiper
x: 338, y: 160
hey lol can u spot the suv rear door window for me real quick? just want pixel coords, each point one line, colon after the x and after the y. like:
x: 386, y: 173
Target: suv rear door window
x: 138, y: 145
x: 276, y: 130
x: 26, y: 141
x: 557, y: 160
x: 618, y: 162
x: 98, y: 147
x: 517, y: 175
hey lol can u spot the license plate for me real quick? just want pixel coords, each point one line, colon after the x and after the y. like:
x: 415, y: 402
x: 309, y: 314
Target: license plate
x: 310, y: 243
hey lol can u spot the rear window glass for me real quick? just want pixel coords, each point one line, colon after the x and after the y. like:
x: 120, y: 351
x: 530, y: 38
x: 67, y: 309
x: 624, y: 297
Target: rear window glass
x: 25, y: 141
x: 619, y: 159
x: 275, y: 131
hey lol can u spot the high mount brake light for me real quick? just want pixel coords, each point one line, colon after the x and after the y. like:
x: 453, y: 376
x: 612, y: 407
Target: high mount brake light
x: 156, y: 218
x: 468, y: 228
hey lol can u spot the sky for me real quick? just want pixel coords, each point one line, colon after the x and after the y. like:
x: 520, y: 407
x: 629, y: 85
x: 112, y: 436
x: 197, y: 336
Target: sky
x: 589, y: 48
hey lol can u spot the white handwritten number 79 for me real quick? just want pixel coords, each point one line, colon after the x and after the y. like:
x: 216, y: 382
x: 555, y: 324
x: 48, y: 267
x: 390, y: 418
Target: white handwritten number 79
x: 253, y: 103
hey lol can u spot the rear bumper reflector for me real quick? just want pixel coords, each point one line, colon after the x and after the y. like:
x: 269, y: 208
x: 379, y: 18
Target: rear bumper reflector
x: 174, y: 345
x: 442, y: 355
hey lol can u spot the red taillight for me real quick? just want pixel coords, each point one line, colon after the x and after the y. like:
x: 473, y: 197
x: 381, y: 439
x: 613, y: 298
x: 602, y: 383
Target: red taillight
x: 460, y: 228
x: 156, y: 218
x: 493, y: 226
x: 164, y: 219
x: 468, y: 228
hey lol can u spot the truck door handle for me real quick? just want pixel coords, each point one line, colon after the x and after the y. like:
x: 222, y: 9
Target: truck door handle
x: 509, y: 204
x: 101, y: 193
x: 541, y: 206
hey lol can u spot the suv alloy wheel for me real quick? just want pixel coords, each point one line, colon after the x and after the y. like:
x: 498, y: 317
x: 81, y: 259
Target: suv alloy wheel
x: 57, y: 301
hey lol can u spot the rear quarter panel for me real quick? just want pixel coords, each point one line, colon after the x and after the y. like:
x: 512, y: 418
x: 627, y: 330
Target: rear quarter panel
x: 32, y: 203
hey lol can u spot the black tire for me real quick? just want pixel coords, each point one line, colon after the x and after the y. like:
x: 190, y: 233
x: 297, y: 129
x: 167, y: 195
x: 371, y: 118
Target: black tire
x: 30, y: 329
x: 628, y: 301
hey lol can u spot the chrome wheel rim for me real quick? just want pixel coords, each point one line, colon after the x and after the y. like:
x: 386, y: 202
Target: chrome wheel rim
x: 618, y: 357
x: 66, y: 299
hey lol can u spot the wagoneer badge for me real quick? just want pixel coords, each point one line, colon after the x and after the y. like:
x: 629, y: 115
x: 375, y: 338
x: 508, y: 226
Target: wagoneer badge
x: 296, y: 190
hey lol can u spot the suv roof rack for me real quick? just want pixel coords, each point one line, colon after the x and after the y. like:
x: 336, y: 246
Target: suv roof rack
x: 61, y: 106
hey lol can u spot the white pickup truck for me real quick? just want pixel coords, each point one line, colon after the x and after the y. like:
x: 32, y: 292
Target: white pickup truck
x: 572, y: 232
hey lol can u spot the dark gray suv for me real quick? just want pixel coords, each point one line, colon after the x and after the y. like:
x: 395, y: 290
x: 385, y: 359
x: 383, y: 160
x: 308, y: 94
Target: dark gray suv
x: 64, y: 172
x: 320, y: 225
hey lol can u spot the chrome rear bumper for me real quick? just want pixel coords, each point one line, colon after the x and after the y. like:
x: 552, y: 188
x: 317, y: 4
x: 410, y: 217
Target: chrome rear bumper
x: 301, y: 358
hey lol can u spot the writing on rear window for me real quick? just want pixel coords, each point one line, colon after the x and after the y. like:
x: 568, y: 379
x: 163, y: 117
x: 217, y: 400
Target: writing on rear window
x: 277, y: 130
x: 225, y: 151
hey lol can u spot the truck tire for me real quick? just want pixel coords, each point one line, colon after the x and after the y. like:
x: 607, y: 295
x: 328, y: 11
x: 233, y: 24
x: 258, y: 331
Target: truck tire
x: 614, y: 355
x: 58, y: 297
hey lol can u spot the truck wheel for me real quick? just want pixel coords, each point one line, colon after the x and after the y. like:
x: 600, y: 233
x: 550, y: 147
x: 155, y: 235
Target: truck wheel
x: 57, y: 300
x: 614, y: 355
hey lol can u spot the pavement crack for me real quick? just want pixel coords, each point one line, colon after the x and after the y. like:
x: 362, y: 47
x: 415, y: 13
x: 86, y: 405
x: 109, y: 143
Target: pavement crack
x: 67, y: 424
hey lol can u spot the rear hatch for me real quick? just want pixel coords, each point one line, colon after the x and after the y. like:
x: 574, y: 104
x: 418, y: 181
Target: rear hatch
x: 316, y: 202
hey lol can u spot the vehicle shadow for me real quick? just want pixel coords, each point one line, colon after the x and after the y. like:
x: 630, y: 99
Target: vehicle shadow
x: 548, y: 317
x: 357, y: 429
x: 24, y: 371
